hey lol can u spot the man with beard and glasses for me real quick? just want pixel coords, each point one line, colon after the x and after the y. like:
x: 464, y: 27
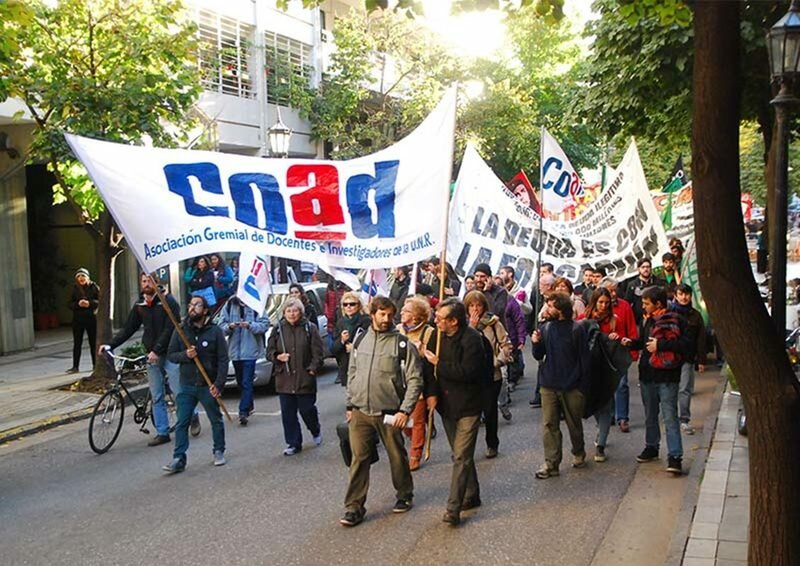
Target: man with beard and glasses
x: 208, y: 345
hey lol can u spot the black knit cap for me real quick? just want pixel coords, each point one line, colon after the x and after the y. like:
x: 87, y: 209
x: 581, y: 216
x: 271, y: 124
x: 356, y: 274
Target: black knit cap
x: 483, y: 268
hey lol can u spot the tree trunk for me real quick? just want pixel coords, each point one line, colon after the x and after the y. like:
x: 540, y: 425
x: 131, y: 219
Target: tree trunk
x: 754, y: 349
x: 106, y: 250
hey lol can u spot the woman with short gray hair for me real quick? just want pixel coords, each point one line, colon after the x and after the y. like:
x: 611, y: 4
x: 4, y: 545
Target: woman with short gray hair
x: 295, y: 350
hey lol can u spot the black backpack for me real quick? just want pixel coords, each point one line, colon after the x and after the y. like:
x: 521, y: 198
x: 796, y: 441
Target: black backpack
x: 604, y: 374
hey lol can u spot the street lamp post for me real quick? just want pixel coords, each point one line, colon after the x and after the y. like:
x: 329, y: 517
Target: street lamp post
x: 783, y: 45
x: 279, y: 137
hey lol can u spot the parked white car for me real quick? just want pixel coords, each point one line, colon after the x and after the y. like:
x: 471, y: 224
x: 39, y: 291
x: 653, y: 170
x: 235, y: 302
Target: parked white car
x: 316, y: 295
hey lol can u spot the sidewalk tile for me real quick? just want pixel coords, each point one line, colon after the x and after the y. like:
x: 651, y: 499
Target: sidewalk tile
x: 738, y: 484
x: 724, y: 437
x: 728, y: 562
x: 732, y: 550
x: 698, y: 562
x: 704, y: 530
x: 740, y: 461
x: 714, y: 481
x: 708, y: 513
x: 701, y: 548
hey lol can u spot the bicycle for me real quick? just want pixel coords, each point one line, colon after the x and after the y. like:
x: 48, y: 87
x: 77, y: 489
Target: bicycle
x: 105, y: 423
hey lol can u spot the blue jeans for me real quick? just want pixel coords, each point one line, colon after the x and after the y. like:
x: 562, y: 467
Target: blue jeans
x: 663, y: 396
x: 155, y: 378
x: 245, y: 369
x: 187, y: 400
x: 304, y: 404
x: 623, y: 397
x: 603, y: 416
x: 685, y: 393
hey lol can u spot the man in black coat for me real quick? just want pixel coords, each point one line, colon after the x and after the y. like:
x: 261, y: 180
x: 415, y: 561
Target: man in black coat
x: 455, y: 380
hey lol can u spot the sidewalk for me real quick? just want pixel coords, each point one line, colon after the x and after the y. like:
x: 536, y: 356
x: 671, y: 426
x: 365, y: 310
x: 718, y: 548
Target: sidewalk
x: 29, y: 397
x: 721, y: 520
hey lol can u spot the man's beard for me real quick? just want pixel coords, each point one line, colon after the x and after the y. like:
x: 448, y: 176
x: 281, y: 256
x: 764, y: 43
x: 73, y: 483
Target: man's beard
x: 195, y: 316
x: 383, y: 326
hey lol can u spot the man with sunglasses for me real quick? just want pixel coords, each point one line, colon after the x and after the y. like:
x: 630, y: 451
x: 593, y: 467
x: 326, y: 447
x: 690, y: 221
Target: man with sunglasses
x: 208, y: 345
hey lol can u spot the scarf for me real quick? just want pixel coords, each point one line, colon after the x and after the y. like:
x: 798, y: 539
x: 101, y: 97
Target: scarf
x: 656, y: 313
x: 351, y: 323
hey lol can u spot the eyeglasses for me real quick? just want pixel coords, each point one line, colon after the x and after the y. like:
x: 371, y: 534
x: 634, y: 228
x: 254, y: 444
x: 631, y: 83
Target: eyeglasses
x: 350, y: 304
x: 196, y: 305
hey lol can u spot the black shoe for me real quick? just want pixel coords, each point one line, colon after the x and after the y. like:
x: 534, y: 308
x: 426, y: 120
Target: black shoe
x: 338, y: 381
x: 194, y: 426
x: 158, y: 440
x: 506, y: 413
x: 674, y: 465
x: 351, y: 518
x: 243, y: 420
x: 471, y: 504
x: 433, y: 431
x: 402, y: 506
x: 535, y: 403
x: 73, y: 370
x: 491, y: 453
x: 452, y: 518
x: 648, y: 455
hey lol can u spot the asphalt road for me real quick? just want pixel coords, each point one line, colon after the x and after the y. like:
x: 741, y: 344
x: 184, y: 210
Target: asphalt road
x: 62, y: 504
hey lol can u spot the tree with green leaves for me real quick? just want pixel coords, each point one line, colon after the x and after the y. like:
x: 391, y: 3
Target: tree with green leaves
x: 111, y: 69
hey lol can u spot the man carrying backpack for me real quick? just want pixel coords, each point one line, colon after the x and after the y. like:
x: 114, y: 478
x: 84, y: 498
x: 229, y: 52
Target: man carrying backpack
x: 662, y: 341
x: 384, y: 380
x: 562, y: 349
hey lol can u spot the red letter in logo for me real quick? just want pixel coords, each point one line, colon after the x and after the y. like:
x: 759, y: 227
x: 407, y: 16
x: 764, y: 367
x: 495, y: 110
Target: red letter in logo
x: 319, y: 204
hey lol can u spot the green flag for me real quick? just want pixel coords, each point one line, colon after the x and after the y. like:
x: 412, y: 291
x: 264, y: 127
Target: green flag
x: 678, y: 178
x: 666, y: 214
x: 691, y: 277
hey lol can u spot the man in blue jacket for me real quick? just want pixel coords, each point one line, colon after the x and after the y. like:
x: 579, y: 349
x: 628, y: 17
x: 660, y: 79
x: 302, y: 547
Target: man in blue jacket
x: 562, y: 349
x: 208, y: 345
x: 245, y: 331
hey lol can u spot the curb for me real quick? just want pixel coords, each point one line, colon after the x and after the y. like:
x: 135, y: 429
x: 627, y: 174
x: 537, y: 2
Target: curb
x: 44, y: 424
x: 682, y: 529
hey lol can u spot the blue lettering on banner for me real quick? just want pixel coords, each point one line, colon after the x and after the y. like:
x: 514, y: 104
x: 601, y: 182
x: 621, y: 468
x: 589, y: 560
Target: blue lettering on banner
x: 189, y: 180
x: 562, y: 183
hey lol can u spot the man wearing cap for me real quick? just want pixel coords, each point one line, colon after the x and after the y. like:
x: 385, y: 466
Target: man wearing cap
x: 84, y: 300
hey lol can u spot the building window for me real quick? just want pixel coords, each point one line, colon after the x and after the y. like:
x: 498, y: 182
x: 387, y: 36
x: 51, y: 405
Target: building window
x: 289, y: 67
x: 225, y: 51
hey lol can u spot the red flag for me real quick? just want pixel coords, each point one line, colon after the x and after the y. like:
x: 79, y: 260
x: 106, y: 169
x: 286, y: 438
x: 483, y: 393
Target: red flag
x: 522, y: 189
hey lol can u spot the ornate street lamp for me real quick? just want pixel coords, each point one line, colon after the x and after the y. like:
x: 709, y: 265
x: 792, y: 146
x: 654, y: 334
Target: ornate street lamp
x: 783, y: 45
x: 279, y: 137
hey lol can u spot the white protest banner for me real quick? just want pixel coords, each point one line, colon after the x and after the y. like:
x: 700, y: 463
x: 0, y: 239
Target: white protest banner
x: 368, y: 212
x: 489, y: 225
x: 254, y: 283
x: 560, y: 183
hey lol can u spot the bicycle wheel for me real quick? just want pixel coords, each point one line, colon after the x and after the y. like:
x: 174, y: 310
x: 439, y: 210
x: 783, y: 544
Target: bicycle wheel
x: 106, y: 421
x: 172, y: 410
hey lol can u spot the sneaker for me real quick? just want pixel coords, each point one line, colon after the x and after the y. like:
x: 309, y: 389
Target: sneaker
x: 471, y: 503
x: 243, y: 420
x: 452, y: 518
x: 535, y: 403
x: 194, y: 427
x: 175, y: 467
x: 624, y: 426
x: 73, y: 370
x: 600, y: 454
x: 402, y: 506
x: 512, y: 387
x: 579, y: 461
x: 158, y: 440
x: 687, y: 429
x: 290, y: 451
x: 318, y: 439
x: 219, y: 458
x: 545, y: 472
x: 674, y: 465
x: 506, y: 413
x: 648, y: 455
x: 491, y: 453
x: 351, y: 518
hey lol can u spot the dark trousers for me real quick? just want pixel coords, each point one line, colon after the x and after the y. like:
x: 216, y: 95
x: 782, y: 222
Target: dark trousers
x: 490, y: 394
x: 363, y: 429
x: 462, y: 434
x: 79, y: 325
x: 517, y: 367
x: 304, y: 404
x: 187, y: 400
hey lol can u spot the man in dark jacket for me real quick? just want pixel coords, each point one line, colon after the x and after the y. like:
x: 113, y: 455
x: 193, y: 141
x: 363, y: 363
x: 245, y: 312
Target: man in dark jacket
x: 662, y: 340
x: 455, y: 380
x: 695, y: 353
x: 149, y: 313
x: 209, y: 347
x: 295, y: 350
x: 562, y: 349
x: 399, y: 290
x: 635, y: 288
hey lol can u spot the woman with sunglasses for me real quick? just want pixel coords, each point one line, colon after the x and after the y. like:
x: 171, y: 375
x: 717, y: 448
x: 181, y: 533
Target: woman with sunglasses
x: 352, y: 319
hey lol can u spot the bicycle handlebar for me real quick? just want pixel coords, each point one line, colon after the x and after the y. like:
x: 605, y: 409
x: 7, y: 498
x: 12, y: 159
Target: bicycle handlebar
x: 108, y: 352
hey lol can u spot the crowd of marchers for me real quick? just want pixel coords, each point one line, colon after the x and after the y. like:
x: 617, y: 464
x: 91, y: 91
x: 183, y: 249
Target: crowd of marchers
x: 403, y: 357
